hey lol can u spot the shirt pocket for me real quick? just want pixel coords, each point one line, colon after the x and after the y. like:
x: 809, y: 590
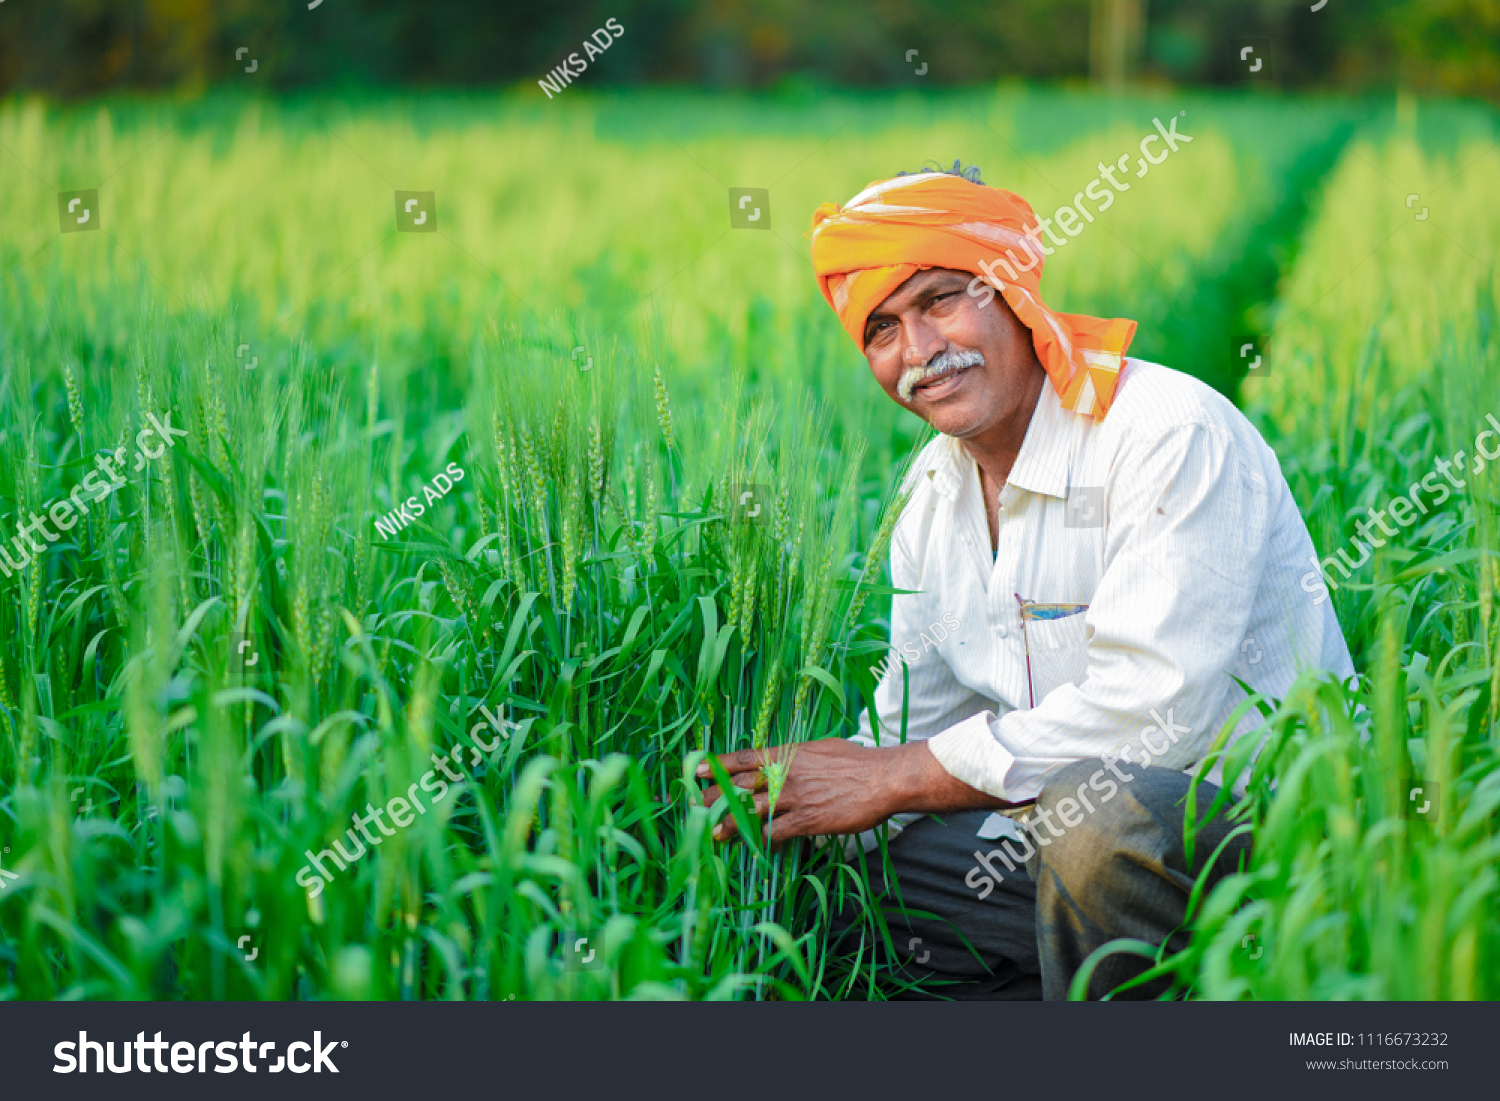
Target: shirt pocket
x: 1059, y: 652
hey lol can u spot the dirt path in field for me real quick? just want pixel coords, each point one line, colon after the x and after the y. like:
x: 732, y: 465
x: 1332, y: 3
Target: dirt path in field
x: 1231, y: 306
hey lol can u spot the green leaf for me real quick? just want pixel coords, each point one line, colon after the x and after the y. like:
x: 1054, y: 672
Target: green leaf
x: 741, y: 806
x: 819, y: 673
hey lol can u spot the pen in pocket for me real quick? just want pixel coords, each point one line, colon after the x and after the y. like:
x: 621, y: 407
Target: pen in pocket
x: 1032, y: 609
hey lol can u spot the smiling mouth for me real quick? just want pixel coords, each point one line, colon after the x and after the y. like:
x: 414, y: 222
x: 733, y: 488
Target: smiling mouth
x: 939, y: 378
x: 939, y: 373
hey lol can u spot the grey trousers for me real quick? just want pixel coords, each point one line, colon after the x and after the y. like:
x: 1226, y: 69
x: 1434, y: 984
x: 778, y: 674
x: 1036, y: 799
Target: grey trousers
x: 1010, y: 920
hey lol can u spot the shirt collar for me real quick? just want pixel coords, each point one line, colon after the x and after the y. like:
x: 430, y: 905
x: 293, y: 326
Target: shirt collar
x: 1044, y: 462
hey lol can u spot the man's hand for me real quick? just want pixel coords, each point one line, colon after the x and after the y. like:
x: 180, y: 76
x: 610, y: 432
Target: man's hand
x: 835, y: 786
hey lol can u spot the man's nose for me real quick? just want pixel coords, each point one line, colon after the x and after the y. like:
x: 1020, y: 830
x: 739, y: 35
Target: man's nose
x: 920, y: 348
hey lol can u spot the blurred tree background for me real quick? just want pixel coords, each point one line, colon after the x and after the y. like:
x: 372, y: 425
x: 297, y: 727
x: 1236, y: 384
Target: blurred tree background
x: 83, y: 47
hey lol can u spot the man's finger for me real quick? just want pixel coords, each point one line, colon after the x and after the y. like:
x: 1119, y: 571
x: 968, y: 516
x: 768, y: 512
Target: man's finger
x: 743, y: 760
x: 727, y: 828
x: 783, y: 828
x: 744, y: 781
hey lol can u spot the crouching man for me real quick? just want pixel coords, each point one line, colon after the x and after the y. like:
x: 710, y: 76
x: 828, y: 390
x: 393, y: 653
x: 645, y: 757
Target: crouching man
x: 1143, y: 551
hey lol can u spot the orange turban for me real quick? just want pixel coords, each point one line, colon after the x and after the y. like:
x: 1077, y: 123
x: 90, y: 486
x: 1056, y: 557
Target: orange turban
x: 895, y: 228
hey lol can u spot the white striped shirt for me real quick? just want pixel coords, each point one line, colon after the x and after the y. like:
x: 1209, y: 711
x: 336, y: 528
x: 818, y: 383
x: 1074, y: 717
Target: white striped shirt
x: 1193, y: 567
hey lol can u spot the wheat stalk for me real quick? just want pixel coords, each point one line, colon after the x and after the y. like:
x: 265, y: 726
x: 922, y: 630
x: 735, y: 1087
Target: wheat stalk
x: 663, y: 407
x: 75, y: 403
x: 571, y: 540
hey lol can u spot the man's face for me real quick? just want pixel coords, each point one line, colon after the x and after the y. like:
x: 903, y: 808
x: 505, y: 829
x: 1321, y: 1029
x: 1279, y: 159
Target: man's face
x: 932, y: 313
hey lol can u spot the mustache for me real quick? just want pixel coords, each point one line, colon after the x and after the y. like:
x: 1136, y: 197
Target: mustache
x: 939, y: 363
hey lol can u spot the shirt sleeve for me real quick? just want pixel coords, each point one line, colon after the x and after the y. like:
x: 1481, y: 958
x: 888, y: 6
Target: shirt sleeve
x: 936, y: 698
x: 1184, y: 549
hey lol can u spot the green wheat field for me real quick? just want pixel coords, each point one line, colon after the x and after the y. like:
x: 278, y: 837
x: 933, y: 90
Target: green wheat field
x: 554, y: 403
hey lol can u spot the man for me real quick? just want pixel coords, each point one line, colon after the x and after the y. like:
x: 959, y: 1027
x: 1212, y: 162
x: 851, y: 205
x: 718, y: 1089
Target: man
x: 1116, y: 544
